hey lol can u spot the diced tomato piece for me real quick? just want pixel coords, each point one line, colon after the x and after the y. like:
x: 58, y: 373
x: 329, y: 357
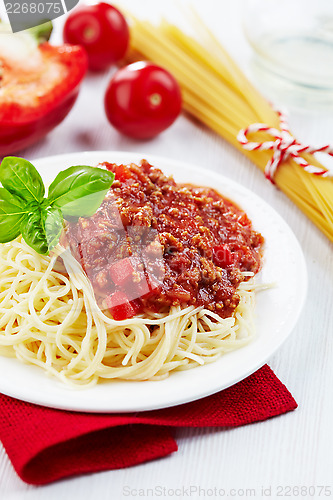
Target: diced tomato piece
x: 121, y: 308
x: 137, y: 288
x: 143, y: 288
x: 244, y: 220
x: 137, y: 305
x: 128, y: 275
x: 122, y: 270
x: 123, y: 173
x: 222, y: 255
x: 154, y: 283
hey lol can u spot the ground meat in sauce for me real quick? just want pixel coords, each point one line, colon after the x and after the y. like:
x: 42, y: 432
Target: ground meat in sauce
x: 172, y: 232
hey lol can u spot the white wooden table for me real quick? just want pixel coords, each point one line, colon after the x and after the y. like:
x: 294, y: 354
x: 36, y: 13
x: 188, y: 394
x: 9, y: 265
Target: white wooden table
x: 292, y: 450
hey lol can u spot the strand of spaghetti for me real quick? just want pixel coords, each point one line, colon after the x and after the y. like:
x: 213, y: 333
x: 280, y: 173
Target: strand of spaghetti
x: 196, y: 102
x: 316, y: 194
x: 142, y: 370
x: 101, y: 338
x: 94, y: 352
x: 182, y: 323
x: 83, y: 351
x: 193, y: 331
x: 133, y: 352
x: 193, y: 102
x: 323, y: 195
x: 24, y: 354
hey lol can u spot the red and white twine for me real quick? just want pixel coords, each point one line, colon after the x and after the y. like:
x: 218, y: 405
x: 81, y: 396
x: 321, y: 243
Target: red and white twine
x: 284, y: 146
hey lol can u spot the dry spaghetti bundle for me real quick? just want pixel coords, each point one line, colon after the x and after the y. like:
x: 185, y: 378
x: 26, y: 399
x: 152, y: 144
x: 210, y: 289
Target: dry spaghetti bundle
x: 216, y: 92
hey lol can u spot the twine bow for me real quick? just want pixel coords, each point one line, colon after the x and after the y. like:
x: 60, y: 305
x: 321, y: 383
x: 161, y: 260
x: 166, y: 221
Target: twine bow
x: 284, y: 146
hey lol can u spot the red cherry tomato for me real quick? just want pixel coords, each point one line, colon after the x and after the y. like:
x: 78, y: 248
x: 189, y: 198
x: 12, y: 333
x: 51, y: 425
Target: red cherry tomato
x: 102, y: 30
x: 142, y: 100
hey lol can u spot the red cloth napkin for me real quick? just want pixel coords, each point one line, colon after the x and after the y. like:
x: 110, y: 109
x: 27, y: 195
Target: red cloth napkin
x: 45, y: 444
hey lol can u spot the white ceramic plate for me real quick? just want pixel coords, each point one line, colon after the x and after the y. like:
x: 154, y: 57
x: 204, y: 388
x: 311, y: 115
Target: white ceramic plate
x: 277, y: 310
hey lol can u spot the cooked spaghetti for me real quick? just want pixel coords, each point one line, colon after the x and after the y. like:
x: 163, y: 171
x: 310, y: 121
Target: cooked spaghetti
x: 72, y: 313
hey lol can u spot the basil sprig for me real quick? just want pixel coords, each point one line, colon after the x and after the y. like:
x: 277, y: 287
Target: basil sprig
x: 79, y: 191
x: 75, y: 192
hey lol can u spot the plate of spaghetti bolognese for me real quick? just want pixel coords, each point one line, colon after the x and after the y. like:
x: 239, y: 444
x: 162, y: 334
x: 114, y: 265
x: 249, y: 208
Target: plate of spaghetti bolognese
x: 180, y: 285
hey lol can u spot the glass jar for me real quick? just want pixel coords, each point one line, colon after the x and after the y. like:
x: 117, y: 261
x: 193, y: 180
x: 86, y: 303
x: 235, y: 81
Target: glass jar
x: 293, y: 45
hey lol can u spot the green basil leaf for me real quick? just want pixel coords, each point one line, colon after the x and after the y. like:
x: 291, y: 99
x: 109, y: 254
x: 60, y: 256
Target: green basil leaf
x: 80, y: 190
x: 33, y: 232
x: 53, y: 225
x: 12, y: 212
x: 21, y: 179
x: 41, y: 229
x: 15, y: 201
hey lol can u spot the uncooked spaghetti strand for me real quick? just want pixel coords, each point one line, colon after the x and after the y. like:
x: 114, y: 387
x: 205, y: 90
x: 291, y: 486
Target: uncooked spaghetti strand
x: 193, y: 102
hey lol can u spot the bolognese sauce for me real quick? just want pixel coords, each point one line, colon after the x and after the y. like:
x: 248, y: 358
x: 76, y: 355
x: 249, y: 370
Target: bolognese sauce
x: 154, y: 243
